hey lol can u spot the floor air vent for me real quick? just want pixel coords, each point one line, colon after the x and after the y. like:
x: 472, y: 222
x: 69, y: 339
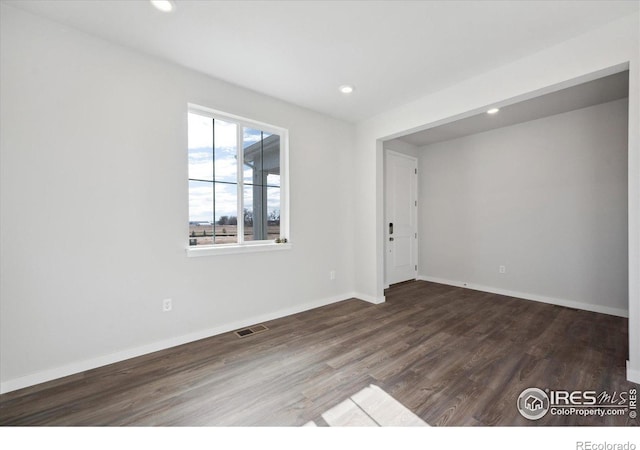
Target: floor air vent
x: 251, y: 330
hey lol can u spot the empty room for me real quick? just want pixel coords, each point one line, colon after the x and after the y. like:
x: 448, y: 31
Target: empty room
x: 320, y: 214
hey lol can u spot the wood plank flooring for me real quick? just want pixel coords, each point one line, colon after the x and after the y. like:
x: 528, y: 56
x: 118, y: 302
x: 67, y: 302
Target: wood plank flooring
x: 452, y: 356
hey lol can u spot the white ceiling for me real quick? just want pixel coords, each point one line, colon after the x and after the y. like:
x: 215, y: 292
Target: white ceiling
x: 301, y: 51
x: 601, y: 90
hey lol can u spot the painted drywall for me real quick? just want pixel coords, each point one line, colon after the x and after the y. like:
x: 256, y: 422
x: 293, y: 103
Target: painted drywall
x: 94, y: 216
x: 605, y: 50
x: 399, y: 146
x: 546, y: 199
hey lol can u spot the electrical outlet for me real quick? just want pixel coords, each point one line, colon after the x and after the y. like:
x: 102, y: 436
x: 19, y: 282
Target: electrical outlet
x: 166, y: 305
x: 502, y: 269
x: 332, y: 274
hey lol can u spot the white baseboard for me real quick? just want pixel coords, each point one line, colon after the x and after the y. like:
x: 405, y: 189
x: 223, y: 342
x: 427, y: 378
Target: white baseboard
x: 528, y: 296
x: 368, y: 298
x: 632, y: 374
x: 88, y: 364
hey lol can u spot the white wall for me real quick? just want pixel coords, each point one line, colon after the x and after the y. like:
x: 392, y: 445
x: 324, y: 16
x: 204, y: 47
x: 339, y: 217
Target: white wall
x: 603, y: 51
x: 400, y: 146
x: 94, y: 216
x: 547, y: 199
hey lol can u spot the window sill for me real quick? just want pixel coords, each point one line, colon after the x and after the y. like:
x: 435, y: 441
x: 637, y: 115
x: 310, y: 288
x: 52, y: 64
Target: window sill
x: 232, y: 249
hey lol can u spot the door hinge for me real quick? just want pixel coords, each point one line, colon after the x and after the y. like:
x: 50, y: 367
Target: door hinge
x: 416, y: 171
x: 416, y: 202
x: 415, y: 235
x: 416, y: 268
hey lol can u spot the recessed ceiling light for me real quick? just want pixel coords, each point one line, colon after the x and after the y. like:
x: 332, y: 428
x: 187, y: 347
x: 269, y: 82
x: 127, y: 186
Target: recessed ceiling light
x: 346, y: 89
x: 163, y: 5
x: 493, y: 110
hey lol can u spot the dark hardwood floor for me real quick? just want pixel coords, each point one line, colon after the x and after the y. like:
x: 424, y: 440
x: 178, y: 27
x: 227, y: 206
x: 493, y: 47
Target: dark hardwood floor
x: 452, y: 356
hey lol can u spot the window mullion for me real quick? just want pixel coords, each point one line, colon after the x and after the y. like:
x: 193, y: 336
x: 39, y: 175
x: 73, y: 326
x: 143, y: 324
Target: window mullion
x: 240, y: 174
x: 284, y: 186
x: 213, y: 177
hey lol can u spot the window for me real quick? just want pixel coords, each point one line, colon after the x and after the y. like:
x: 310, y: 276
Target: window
x: 237, y: 181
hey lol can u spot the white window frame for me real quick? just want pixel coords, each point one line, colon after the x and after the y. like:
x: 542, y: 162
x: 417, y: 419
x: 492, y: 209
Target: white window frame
x: 243, y: 246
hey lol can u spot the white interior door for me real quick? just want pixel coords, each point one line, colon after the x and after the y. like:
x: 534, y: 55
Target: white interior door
x: 401, y: 212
